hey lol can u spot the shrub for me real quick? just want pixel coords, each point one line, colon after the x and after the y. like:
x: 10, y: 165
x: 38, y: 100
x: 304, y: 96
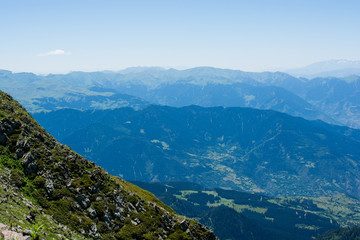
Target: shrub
x: 39, y: 181
x: 86, y: 223
x: 103, y: 227
x: 41, y: 199
x: 9, y: 162
x: 100, y: 208
x: 132, y: 199
x: 129, y: 231
x: 17, y: 178
x: 61, y: 210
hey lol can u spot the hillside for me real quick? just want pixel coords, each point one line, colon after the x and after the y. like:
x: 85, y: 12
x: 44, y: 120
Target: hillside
x: 45, y: 177
x: 240, y: 215
x: 238, y: 148
x: 352, y: 233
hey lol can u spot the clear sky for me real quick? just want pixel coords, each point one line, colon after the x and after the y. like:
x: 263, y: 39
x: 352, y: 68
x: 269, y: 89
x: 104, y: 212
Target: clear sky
x: 53, y: 36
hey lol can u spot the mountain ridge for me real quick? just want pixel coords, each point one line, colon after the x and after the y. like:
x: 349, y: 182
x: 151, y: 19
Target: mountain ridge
x: 266, y: 90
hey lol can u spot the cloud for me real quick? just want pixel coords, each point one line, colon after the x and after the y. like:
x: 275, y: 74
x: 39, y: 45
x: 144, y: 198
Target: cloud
x: 54, y: 52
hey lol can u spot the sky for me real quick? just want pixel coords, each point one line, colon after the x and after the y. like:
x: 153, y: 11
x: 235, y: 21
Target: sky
x: 58, y: 36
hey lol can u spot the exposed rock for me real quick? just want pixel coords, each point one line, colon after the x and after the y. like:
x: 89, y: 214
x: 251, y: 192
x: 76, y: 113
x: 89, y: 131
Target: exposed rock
x: 49, y: 186
x: 93, y: 233
x: 184, y: 225
x: 92, y: 212
x: 3, y: 138
x: 29, y: 163
x: 133, y: 222
x: 26, y: 232
x: 8, y: 233
x: 118, y: 213
x: 83, y: 201
x: 4, y: 227
x: 22, y: 146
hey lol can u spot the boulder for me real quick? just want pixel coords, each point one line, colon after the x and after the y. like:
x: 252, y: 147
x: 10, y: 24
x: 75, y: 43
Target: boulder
x: 29, y: 163
x: 83, y: 201
x: 49, y: 186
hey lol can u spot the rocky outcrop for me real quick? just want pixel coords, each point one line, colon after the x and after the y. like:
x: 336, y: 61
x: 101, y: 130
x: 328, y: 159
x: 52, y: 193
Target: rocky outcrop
x: 8, y: 233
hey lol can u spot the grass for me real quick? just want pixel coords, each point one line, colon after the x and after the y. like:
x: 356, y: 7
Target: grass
x: 13, y: 210
x: 222, y: 202
x: 143, y: 194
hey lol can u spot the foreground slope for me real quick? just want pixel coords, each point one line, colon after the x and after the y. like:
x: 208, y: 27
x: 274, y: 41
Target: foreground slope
x: 238, y: 148
x: 76, y: 192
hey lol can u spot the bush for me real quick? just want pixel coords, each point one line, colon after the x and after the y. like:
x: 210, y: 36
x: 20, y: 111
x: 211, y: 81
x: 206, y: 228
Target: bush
x: 103, y: 227
x: 41, y: 199
x: 132, y: 199
x: 39, y: 181
x: 100, y: 208
x: 61, y: 210
x: 86, y: 224
x: 17, y: 178
x: 129, y: 231
x: 9, y: 162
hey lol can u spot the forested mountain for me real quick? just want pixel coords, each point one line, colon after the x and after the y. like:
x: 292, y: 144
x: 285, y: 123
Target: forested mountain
x: 352, y: 233
x: 238, y: 148
x: 239, y: 215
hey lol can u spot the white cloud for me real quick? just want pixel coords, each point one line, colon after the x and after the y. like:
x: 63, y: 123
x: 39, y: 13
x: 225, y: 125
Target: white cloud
x: 54, y: 52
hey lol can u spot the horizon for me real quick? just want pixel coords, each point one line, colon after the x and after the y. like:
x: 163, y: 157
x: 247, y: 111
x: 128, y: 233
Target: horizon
x: 61, y: 36
x: 183, y: 68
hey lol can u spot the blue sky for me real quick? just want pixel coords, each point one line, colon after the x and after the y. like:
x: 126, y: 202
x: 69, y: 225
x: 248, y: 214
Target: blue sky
x: 53, y: 36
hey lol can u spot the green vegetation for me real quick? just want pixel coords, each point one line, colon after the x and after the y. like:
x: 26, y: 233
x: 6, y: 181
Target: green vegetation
x: 67, y: 196
x: 352, y: 233
x: 35, y: 231
x: 244, y: 215
x: 14, y: 206
x: 340, y: 208
x: 234, y: 148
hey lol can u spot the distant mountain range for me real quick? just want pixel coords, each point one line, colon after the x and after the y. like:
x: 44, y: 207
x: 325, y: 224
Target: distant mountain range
x: 332, y: 68
x: 334, y: 100
x: 238, y: 148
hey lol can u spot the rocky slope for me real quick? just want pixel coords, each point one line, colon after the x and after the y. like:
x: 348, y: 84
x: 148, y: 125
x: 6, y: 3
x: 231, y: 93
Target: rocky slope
x: 74, y: 191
